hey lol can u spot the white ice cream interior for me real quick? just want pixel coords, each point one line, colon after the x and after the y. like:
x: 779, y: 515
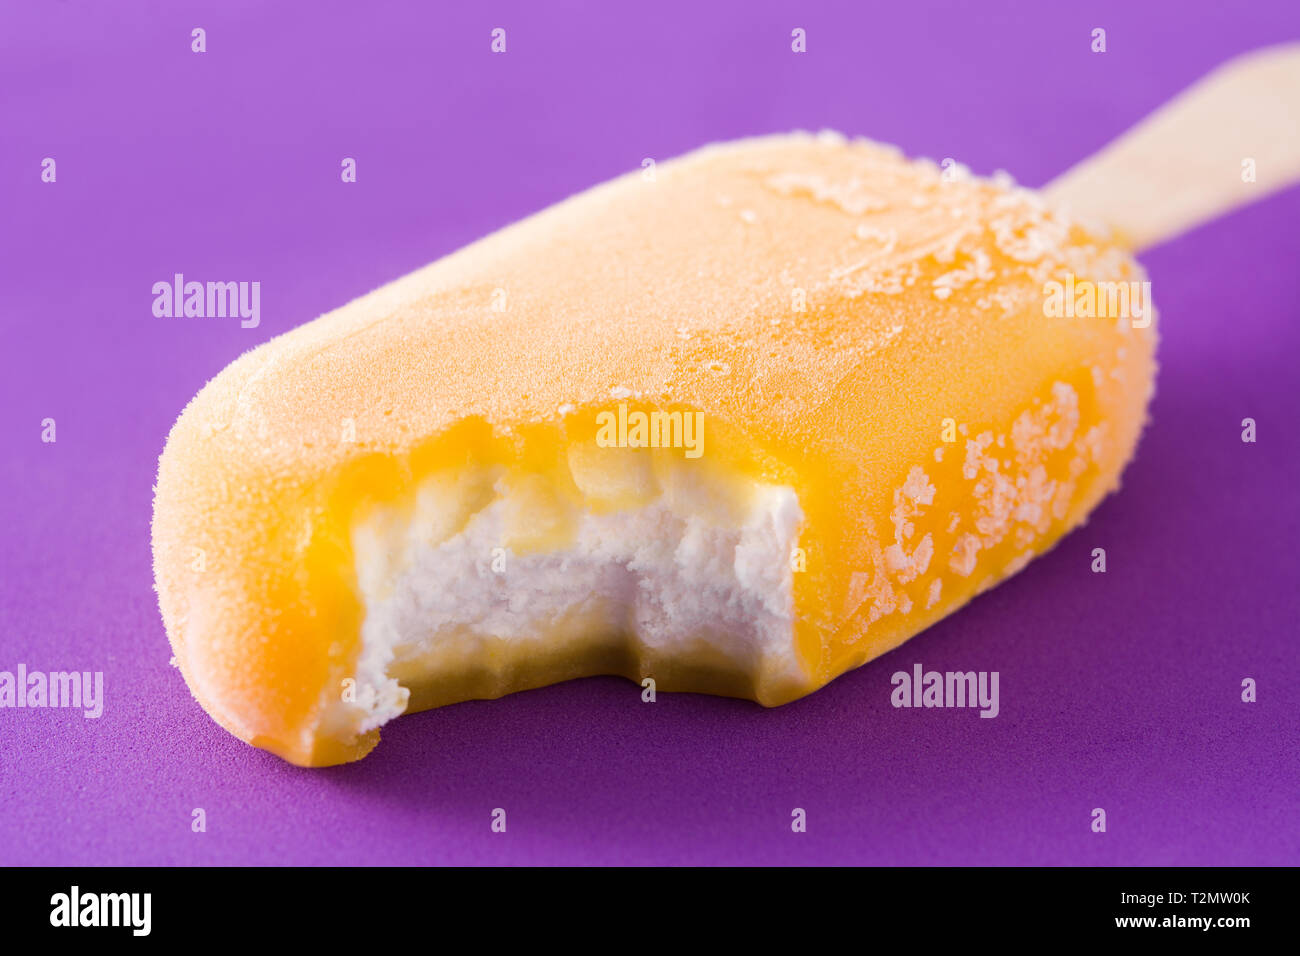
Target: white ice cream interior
x: 485, y: 562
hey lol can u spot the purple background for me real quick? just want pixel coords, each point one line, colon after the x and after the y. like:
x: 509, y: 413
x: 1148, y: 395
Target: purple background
x: 1118, y: 691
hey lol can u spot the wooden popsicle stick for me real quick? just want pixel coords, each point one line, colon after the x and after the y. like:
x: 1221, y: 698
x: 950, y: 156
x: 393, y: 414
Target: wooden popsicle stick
x: 1185, y: 163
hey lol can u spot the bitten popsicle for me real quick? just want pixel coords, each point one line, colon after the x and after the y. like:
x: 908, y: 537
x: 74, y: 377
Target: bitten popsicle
x: 738, y: 428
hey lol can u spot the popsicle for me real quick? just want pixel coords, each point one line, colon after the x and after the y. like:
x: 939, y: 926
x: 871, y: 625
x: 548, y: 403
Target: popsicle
x: 735, y: 428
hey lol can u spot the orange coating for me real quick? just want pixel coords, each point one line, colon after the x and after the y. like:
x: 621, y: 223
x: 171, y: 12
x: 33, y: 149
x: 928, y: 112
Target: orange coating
x: 684, y: 292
